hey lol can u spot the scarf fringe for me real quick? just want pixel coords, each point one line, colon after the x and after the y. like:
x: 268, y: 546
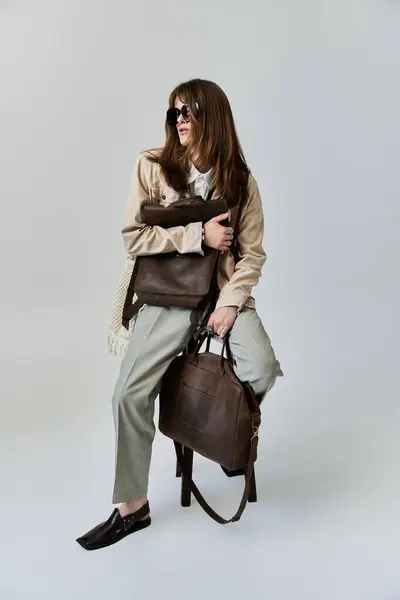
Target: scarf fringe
x: 118, y: 336
x: 118, y: 342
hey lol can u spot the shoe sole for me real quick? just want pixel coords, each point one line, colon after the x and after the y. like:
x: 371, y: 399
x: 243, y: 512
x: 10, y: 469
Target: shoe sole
x: 138, y: 527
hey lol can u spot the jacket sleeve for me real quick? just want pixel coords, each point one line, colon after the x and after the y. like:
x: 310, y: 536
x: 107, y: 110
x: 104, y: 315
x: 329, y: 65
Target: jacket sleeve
x: 141, y: 239
x: 251, y: 253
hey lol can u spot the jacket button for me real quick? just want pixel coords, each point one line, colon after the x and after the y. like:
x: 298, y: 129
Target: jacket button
x: 164, y: 197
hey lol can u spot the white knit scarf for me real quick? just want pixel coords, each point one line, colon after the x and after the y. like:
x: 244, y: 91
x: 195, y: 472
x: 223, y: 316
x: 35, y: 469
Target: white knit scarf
x: 118, y: 336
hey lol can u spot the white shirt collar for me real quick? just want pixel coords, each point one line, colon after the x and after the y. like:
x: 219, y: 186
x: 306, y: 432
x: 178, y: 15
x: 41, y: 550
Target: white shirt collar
x: 195, y: 174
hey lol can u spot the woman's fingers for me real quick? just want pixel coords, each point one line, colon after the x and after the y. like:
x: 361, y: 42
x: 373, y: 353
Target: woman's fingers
x: 225, y: 246
x: 222, y: 331
x: 221, y: 328
x: 222, y: 320
x: 228, y: 237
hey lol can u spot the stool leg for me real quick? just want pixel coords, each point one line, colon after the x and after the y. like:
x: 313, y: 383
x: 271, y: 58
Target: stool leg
x: 185, y: 490
x: 178, y: 469
x: 253, y: 488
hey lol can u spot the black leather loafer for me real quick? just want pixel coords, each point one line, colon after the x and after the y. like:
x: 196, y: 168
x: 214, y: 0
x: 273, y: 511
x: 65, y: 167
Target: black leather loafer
x: 115, y: 529
x: 233, y: 473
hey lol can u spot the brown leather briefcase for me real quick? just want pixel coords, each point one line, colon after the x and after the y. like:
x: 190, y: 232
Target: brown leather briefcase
x: 205, y: 407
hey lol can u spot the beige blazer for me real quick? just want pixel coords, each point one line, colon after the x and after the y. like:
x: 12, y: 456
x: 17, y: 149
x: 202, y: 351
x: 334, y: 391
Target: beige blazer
x: 235, y: 281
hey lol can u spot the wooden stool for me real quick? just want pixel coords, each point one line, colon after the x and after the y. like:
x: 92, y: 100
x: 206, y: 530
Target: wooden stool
x: 186, y: 456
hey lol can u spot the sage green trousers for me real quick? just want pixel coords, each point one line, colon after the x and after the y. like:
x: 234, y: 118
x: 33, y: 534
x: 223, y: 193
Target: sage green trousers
x: 159, y: 336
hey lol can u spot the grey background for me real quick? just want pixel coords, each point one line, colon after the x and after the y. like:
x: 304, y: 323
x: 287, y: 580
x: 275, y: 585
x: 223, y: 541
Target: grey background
x: 315, y: 90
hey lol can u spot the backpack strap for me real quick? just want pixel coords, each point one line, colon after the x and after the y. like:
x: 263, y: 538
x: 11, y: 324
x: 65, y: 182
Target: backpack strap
x: 132, y: 308
x: 235, y: 249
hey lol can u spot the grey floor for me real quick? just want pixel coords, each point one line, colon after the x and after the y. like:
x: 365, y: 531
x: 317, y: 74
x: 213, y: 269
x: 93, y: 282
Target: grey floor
x: 326, y: 525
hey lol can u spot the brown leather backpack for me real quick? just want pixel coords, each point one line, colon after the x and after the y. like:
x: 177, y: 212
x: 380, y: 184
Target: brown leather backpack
x: 205, y: 407
x: 173, y: 279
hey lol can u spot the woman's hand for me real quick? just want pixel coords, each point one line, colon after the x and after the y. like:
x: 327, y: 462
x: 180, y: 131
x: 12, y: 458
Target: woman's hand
x: 222, y: 320
x: 218, y: 236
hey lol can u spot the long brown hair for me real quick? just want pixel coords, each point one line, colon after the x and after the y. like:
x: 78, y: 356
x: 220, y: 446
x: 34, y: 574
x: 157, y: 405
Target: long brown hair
x: 214, y: 142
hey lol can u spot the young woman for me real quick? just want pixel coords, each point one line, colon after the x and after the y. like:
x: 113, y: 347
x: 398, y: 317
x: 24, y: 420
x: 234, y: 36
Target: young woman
x: 201, y: 153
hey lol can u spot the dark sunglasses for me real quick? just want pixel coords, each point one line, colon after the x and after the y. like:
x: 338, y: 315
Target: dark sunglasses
x: 173, y: 114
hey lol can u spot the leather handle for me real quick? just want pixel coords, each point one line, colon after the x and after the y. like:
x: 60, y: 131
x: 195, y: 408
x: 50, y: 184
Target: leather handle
x: 200, y: 339
x: 227, y: 346
x: 205, y: 334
